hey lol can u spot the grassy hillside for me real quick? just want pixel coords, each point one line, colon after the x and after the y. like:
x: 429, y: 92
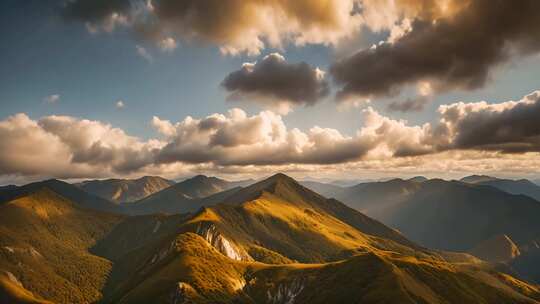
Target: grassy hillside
x: 44, y: 242
x: 12, y: 291
x: 272, y: 242
x: 195, y: 272
x: 290, y: 221
x: 71, y: 192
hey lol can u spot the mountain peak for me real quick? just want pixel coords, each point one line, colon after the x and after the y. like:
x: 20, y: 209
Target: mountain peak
x: 477, y: 178
x: 418, y: 179
x: 281, y: 177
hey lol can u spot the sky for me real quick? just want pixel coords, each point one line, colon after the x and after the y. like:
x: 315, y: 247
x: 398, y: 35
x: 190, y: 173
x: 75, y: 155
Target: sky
x: 352, y: 89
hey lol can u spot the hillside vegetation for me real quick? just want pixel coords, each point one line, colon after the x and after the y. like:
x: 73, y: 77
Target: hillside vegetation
x: 273, y: 242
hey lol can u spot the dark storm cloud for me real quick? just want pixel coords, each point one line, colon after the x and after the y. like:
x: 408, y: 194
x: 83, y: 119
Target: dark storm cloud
x: 513, y: 129
x: 453, y: 52
x: 274, y: 80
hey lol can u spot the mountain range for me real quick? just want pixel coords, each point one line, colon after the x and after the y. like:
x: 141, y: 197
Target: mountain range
x: 272, y: 241
x: 125, y: 190
x: 521, y: 186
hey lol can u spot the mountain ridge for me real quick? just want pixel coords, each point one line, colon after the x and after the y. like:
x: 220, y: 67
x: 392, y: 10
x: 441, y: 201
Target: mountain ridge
x: 125, y: 190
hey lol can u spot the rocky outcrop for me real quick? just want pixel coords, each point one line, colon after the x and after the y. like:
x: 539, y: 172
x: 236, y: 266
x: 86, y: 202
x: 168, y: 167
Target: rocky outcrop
x: 285, y: 293
x: 211, y: 234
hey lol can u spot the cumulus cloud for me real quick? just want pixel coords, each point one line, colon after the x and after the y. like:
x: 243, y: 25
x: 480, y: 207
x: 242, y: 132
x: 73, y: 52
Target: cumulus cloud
x: 510, y: 127
x: 64, y: 146
x: 235, y: 26
x: 273, y: 81
x: 453, y: 46
x: 262, y: 139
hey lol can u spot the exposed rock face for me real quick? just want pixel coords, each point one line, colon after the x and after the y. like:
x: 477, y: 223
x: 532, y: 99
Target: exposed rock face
x: 499, y: 248
x: 13, y: 279
x: 286, y: 293
x: 211, y: 234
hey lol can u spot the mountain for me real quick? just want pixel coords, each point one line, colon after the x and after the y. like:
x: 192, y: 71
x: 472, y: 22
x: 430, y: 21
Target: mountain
x: 447, y: 215
x: 377, y: 199
x: 499, y: 248
x: 521, y: 186
x: 255, y: 239
x: 69, y: 191
x: 125, y: 190
x: 187, y: 274
x: 279, y: 218
x: 474, y: 179
x: 186, y: 196
x: 418, y: 179
x: 44, y: 244
x: 271, y: 242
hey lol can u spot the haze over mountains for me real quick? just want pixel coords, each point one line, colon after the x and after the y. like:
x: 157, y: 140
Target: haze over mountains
x: 274, y: 241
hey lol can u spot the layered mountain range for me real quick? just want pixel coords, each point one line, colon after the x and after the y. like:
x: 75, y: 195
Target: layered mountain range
x: 206, y: 240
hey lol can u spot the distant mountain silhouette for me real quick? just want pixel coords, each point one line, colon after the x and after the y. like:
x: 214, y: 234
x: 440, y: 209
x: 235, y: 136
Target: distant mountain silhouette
x: 186, y: 196
x: 448, y: 215
x: 125, y: 190
x: 521, y: 186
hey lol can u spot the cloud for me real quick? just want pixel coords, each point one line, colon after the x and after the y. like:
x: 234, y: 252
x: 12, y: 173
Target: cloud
x: 510, y: 127
x: 54, y: 98
x: 452, y: 50
x: 141, y: 51
x: 273, y: 81
x: 64, y: 147
x: 167, y: 44
x: 236, y: 26
x: 120, y: 104
x: 262, y: 139
x: 466, y: 132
